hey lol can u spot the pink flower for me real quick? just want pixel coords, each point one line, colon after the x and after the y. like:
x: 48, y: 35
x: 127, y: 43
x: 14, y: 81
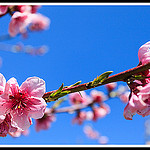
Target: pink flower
x: 81, y: 116
x: 35, y: 8
x: 44, y: 123
x: 24, y: 8
x: 3, y: 9
x: 27, y: 8
x: 5, y: 125
x: 144, y: 53
x: 139, y: 103
x: 88, y: 130
x: 19, y: 22
x: 24, y: 102
x: 100, y: 112
x: 111, y: 86
x: 76, y: 98
x: 98, y: 96
x: 124, y: 97
x: 39, y: 22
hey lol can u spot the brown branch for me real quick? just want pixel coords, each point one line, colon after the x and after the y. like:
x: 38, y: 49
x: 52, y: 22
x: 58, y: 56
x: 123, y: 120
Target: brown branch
x: 123, y: 76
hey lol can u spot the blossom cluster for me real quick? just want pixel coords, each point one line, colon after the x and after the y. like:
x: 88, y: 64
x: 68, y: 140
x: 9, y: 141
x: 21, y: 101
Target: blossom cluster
x: 19, y: 104
x: 96, y: 101
x: 23, y: 17
x: 139, y: 99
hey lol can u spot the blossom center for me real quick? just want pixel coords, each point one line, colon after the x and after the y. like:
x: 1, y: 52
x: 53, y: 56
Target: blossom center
x: 19, y: 100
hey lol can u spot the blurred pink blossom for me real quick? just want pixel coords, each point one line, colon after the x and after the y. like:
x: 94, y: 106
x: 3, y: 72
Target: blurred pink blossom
x: 3, y: 9
x: 35, y: 8
x: 76, y: 98
x: 39, y: 22
x: 28, y: 8
x: 101, y: 111
x: 24, y: 102
x: 98, y: 96
x: 24, y: 8
x: 111, y: 86
x: 81, y: 116
x: 124, y: 97
x: 90, y: 133
x: 44, y: 123
x: 19, y: 22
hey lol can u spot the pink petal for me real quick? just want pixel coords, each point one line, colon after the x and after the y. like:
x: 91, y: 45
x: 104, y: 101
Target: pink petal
x: 2, y: 83
x: 20, y: 120
x: 34, y: 86
x: 14, y: 87
x: 5, y: 105
x: 37, y: 108
x: 143, y: 49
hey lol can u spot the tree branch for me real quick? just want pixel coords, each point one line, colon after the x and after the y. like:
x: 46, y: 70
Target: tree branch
x: 123, y: 76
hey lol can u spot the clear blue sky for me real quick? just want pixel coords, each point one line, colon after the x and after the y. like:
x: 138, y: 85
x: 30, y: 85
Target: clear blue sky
x: 83, y: 41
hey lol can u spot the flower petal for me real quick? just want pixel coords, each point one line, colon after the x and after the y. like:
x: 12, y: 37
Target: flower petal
x: 37, y: 108
x: 14, y: 87
x: 34, y: 86
x: 2, y: 83
x: 20, y: 120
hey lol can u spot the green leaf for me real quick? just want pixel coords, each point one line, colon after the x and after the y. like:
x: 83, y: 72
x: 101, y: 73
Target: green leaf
x: 101, y: 78
x: 77, y: 83
x: 63, y: 93
x: 58, y: 91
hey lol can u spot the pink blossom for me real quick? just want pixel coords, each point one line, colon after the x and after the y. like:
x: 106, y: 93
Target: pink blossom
x: 19, y: 22
x: 101, y: 111
x: 24, y: 102
x: 3, y: 9
x: 111, y: 86
x: 44, y: 123
x: 88, y: 130
x: 98, y: 96
x: 144, y: 53
x: 139, y: 103
x: 35, y: 8
x: 124, y: 97
x: 39, y: 22
x: 24, y: 8
x: 81, y: 116
x: 77, y: 98
x: 5, y: 125
x: 28, y: 8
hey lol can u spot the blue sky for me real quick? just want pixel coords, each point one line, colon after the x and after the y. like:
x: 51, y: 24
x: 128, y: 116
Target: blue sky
x: 83, y: 42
